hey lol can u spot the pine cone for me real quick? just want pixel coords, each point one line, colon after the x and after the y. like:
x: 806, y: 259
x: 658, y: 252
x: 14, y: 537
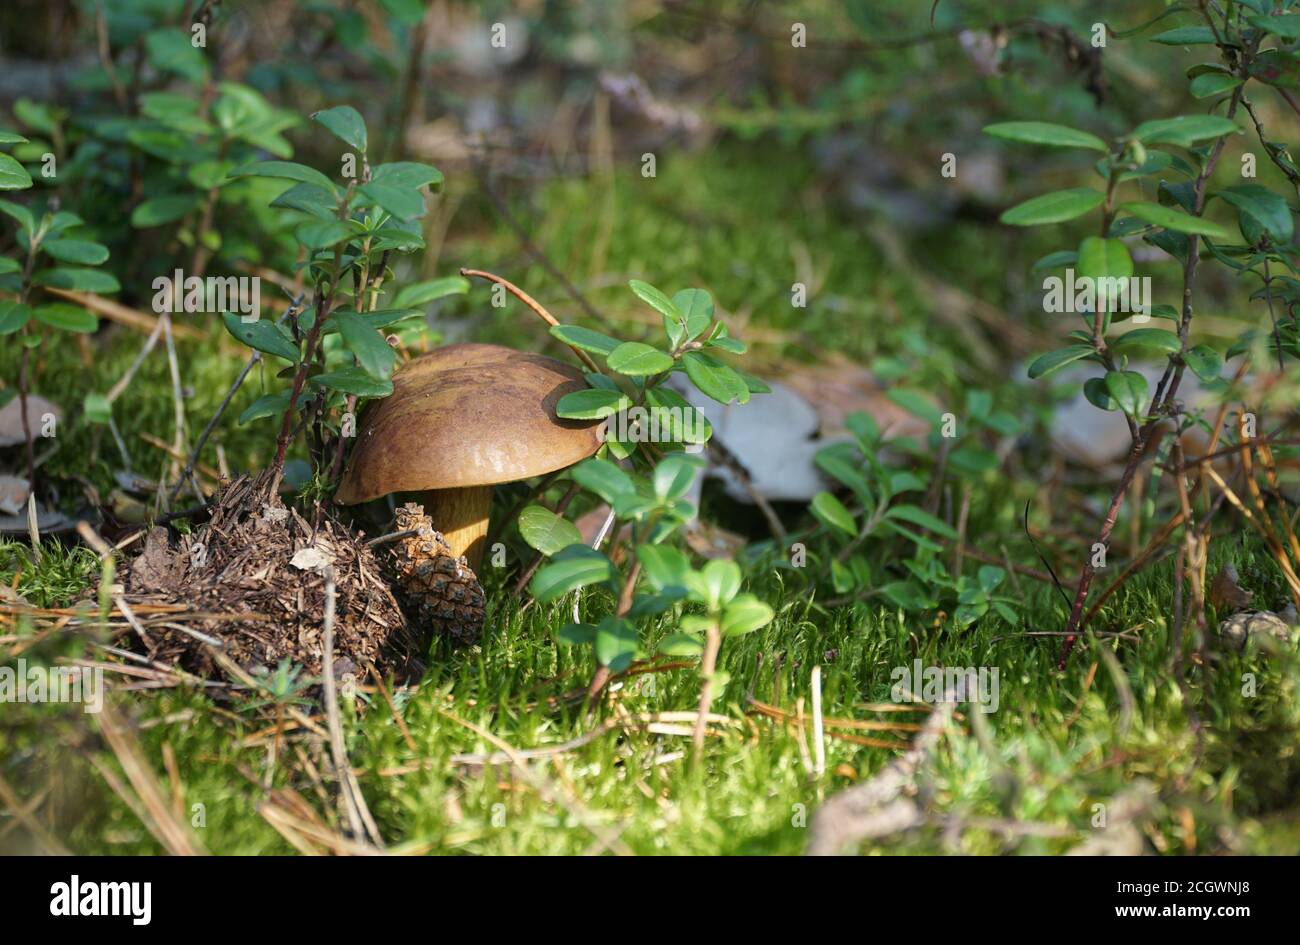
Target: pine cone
x: 439, y: 590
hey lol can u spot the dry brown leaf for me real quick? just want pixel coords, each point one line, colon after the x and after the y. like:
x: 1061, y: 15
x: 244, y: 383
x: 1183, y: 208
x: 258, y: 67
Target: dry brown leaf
x: 11, y: 418
x: 1226, y: 594
x: 709, y: 541
x: 838, y: 390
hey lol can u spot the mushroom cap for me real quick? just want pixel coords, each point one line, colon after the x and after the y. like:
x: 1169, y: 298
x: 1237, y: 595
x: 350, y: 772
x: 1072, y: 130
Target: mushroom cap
x: 467, y: 415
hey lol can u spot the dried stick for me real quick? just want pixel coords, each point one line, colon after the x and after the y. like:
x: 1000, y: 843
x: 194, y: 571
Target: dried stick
x: 603, y: 673
x: 158, y: 816
x: 116, y: 390
x: 708, y: 665
x: 354, y: 803
x: 533, y: 304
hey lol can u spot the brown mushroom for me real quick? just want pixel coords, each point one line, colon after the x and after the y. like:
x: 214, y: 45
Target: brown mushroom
x: 460, y: 420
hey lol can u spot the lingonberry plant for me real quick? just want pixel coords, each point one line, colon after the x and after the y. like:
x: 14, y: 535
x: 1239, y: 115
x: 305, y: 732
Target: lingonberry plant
x: 55, y: 255
x: 1174, y: 161
x: 888, y: 504
x: 650, y: 427
x: 337, y: 343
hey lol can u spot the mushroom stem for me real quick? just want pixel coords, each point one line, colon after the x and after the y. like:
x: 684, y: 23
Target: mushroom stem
x: 462, y: 517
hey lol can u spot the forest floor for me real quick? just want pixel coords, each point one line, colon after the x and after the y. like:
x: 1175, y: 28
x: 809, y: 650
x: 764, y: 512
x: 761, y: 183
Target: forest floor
x: 1203, y: 764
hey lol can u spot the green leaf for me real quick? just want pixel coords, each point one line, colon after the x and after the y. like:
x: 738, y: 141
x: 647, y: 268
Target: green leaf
x: 268, y: 405
x: 396, y: 235
x: 10, y: 137
x: 840, y: 469
x: 405, y: 203
x: 1098, y: 394
x: 745, y: 614
x: 1156, y: 162
x: 576, y: 634
x: 322, y: 234
x: 678, y: 418
x: 696, y: 307
x: 634, y: 506
x: 308, y: 198
x: 1213, y: 83
x: 916, y: 403
x: 1055, y: 360
x: 1205, y: 362
x: 1159, y: 338
x: 287, y: 170
x: 616, y: 643
x: 733, y: 345
x: 638, y: 360
x: 714, y: 378
x: 680, y: 644
x: 1058, y: 260
x: 584, y: 338
x: 1185, y: 130
x: 580, y: 566
x: 81, y: 252
x: 1104, y: 259
x: 663, y: 566
x: 1268, y: 210
x: 66, y: 317
x: 656, y: 299
x: 831, y: 512
x: 1172, y: 219
x: 603, y: 478
x: 408, y: 175
x: 164, y: 144
x: 21, y: 215
x: 13, y: 316
x: 78, y: 280
x: 973, y: 459
x: 650, y: 605
x: 720, y: 582
x: 1276, y: 67
x: 160, y: 210
x: 674, y: 475
x: 1055, y: 207
x: 262, y: 335
x: 1128, y: 389
x: 756, y: 385
x: 177, y: 112
x: 1286, y: 25
x: 841, y: 577
x: 346, y: 123
x: 422, y: 293
x: 170, y: 50
x: 1185, y: 36
x: 917, y: 516
x: 61, y: 220
x: 990, y: 576
x: 39, y: 116
x: 406, y: 12
x: 97, y: 408
x: 353, y: 380
x: 373, y: 353
x: 1045, y: 133
x: 547, y: 532
x: 13, y: 176
x: 591, y: 404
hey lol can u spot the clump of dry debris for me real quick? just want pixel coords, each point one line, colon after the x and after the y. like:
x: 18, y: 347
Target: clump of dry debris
x: 255, y: 576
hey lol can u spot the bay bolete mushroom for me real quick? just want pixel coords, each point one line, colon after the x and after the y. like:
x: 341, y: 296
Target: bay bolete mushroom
x: 459, y: 421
